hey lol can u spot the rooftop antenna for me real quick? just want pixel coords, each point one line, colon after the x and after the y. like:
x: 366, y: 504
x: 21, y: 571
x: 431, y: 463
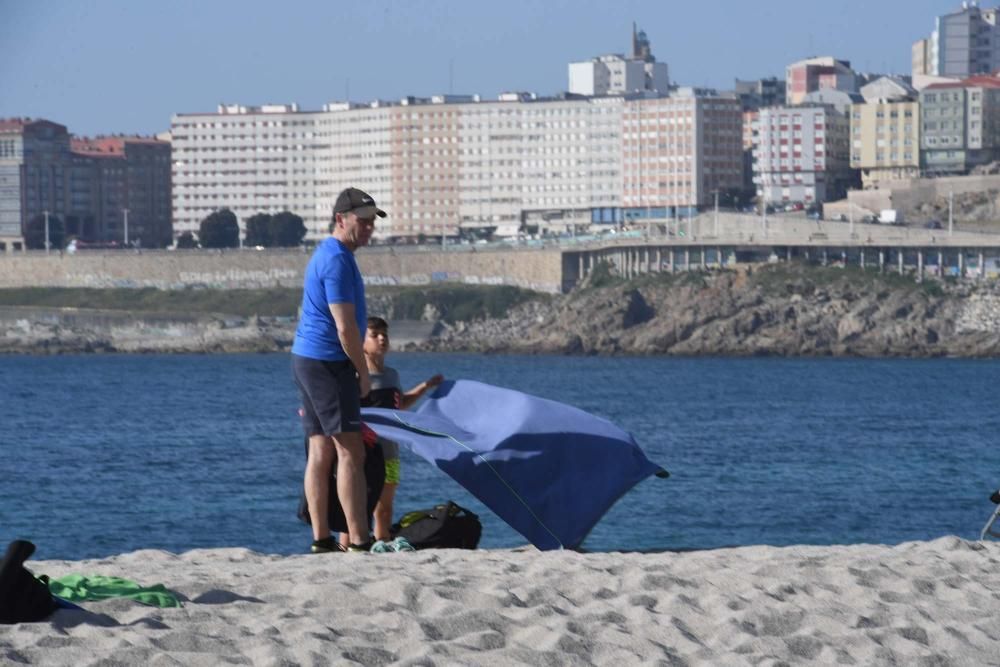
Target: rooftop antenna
x: 451, y: 75
x: 347, y: 89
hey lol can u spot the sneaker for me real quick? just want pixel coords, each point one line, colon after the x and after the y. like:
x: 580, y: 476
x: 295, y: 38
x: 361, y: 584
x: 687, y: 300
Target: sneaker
x: 401, y: 544
x: 325, y: 546
x: 360, y: 548
x: 381, y: 547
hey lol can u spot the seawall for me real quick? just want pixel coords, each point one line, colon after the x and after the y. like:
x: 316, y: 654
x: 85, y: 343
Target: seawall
x: 538, y: 269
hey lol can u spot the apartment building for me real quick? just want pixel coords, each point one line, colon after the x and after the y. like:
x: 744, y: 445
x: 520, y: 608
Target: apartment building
x: 129, y: 183
x: 960, y: 124
x: 885, y: 141
x: 801, y: 154
x: 964, y: 42
x: 616, y: 74
x: 252, y: 160
x: 679, y: 151
x: 35, y: 169
x: 885, y: 132
x: 87, y: 183
x: 457, y: 165
x: 812, y: 74
x: 544, y: 164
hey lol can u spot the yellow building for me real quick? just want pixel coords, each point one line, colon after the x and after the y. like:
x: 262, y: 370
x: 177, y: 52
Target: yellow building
x: 885, y: 141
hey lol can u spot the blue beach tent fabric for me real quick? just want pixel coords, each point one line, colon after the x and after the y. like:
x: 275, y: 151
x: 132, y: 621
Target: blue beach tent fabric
x: 548, y: 469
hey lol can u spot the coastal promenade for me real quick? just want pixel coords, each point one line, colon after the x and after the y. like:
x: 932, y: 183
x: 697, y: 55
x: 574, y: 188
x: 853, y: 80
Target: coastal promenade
x: 549, y: 265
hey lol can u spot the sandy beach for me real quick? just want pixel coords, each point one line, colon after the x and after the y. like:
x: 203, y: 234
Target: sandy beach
x: 919, y: 603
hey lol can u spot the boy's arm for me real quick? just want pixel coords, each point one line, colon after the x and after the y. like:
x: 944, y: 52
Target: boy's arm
x: 413, y: 395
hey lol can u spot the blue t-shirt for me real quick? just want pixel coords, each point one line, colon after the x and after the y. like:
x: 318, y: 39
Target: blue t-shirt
x: 332, y: 276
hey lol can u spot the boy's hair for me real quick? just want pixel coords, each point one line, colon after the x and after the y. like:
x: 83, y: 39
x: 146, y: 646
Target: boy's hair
x: 378, y: 324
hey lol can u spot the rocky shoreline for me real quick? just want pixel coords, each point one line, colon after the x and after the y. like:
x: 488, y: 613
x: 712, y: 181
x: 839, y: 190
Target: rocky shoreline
x: 778, y: 310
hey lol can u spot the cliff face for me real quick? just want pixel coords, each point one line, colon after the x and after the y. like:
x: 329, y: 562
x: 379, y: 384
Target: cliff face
x: 781, y: 310
x: 70, y: 330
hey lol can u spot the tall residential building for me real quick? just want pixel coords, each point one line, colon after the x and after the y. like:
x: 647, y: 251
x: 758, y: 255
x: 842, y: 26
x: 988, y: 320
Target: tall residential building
x: 806, y: 76
x: 453, y: 165
x: 86, y: 183
x: 801, y: 154
x: 680, y: 150
x: 964, y: 42
x: 615, y: 74
x: 885, y: 140
x: 130, y: 181
x: 35, y: 170
x: 885, y: 132
x: 960, y: 124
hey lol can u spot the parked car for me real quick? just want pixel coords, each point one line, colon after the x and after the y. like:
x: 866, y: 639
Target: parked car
x: 932, y: 224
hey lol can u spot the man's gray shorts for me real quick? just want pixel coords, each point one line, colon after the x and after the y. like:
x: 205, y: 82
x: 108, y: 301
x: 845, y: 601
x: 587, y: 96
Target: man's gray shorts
x: 331, y: 396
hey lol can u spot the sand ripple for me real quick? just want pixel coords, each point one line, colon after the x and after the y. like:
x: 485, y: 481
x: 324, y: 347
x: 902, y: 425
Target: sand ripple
x: 921, y: 603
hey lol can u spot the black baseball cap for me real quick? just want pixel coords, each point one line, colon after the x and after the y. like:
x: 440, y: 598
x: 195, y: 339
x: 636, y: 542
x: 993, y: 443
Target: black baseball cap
x: 357, y: 202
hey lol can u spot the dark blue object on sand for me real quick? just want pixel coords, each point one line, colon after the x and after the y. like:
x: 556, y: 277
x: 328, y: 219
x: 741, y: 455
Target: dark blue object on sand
x: 549, y: 470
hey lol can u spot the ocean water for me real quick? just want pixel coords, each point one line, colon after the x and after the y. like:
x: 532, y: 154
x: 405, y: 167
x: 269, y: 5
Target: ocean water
x: 107, y: 454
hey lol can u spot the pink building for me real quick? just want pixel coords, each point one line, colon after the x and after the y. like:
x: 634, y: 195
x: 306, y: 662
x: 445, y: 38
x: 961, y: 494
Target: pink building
x: 679, y: 150
x: 812, y: 74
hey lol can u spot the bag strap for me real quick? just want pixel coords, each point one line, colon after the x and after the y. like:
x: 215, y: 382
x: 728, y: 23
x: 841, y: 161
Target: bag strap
x: 454, y: 509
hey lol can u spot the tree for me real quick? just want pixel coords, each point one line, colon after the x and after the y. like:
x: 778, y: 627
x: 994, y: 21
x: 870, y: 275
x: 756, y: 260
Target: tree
x: 287, y: 230
x: 259, y: 230
x: 34, y: 232
x: 186, y: 241
x: 219, y: 230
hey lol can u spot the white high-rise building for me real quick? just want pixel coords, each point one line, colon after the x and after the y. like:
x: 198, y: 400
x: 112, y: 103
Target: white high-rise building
x: 453, y: 165
x: 964, y: 43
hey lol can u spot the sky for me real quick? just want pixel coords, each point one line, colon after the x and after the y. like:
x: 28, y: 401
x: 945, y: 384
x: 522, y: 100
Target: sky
x: 126, y: 66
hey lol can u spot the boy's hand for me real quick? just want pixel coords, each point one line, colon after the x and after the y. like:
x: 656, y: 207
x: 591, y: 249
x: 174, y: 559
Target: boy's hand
x: 434, y: 381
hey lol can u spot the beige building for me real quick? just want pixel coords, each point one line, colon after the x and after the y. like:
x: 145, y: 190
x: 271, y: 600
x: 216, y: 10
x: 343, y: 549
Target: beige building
x: 920, y: 58
x: 885, y: 141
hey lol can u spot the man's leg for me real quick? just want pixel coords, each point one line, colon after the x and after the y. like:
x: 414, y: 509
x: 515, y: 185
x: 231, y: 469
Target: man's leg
x: 317, y: 484
x: 352, y: 490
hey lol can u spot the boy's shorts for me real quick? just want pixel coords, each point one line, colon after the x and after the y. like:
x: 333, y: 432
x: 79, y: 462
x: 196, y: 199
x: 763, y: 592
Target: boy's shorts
x: 390, y: 450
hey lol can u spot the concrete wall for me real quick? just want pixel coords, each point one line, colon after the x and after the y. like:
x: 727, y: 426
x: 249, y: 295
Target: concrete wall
x: 908, y: 195
x: 538, y: 269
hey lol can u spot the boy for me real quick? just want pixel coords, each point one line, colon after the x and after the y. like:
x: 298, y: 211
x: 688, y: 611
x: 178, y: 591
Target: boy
x: 386, y: 392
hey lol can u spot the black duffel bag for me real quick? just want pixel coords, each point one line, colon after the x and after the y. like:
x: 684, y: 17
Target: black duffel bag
x: 446, y: 526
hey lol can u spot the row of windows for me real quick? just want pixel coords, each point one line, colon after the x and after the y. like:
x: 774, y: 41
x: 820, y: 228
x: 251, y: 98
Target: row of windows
x: 879, y: 157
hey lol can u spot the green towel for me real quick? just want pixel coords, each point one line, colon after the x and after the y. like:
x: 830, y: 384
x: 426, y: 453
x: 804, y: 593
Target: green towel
x: 83, y: 588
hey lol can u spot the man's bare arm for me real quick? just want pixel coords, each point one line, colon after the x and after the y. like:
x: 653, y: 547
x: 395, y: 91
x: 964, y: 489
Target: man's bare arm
x: 350, y: 340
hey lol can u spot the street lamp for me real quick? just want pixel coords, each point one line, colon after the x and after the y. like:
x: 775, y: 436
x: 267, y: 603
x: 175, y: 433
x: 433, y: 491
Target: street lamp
x: 125, y: 214
x: 47, y: 244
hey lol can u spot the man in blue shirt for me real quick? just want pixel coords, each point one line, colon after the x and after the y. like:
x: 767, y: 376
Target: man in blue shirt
x: 329, y: 367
